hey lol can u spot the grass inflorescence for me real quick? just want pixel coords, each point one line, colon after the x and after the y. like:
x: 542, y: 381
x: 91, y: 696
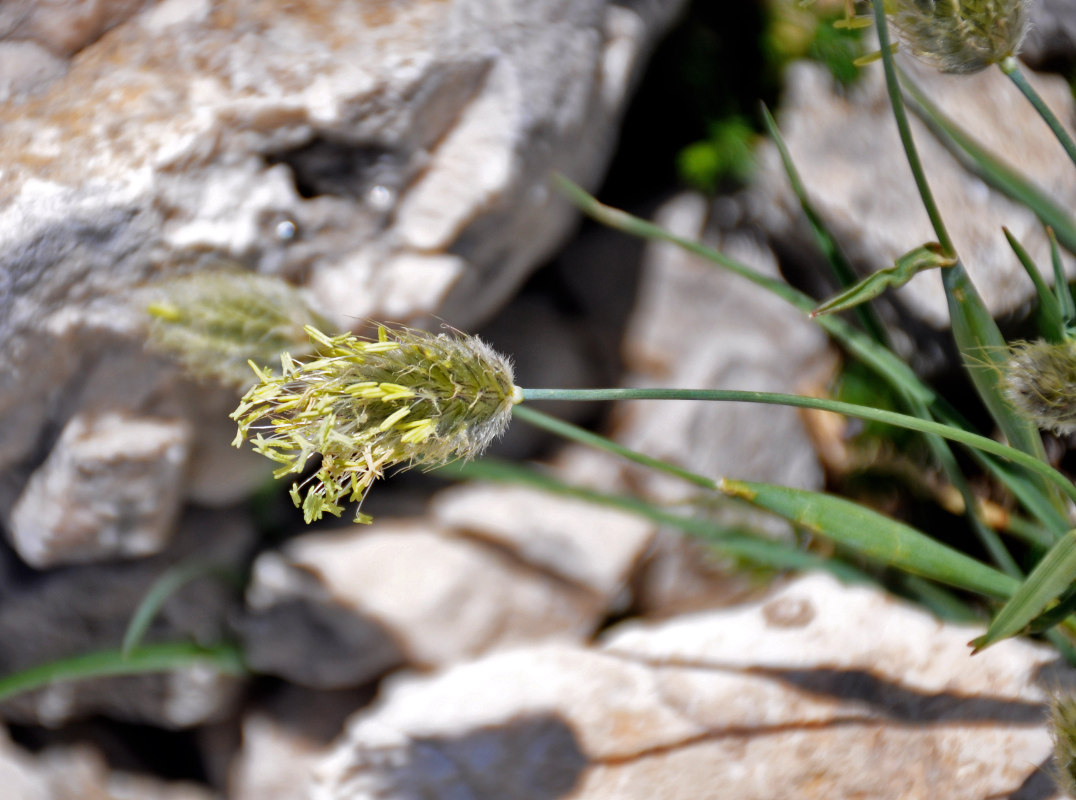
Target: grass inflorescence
x: 407, y: 398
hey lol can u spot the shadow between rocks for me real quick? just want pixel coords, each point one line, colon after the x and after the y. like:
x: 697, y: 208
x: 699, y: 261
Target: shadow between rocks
x: 1038, y: 786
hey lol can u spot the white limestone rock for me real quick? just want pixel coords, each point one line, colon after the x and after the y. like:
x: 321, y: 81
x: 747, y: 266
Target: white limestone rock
x: 340, y: 609
x: 110, y: 488
x: 591, y: 546
x: 275, y: 763
x: 817, y: 691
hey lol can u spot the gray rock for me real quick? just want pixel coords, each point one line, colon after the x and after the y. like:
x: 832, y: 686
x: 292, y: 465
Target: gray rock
x: 25, y: 68
x: 337, y: 610
x: 846, y: 149
x: 818, y: 691
x: 392, y: 158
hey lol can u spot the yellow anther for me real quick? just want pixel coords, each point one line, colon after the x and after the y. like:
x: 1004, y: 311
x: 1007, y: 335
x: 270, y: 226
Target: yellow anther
x: 393, y: 418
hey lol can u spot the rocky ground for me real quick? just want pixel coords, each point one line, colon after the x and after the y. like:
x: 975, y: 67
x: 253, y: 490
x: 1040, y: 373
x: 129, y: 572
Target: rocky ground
x: 480, y: 640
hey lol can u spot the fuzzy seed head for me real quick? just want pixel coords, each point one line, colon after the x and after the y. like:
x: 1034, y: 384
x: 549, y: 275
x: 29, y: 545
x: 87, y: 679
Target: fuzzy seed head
x: 407, y: 398
x: 1039, y: 381
x: 215, y: 321
x: 960, y: 36
x: 1063, y: 730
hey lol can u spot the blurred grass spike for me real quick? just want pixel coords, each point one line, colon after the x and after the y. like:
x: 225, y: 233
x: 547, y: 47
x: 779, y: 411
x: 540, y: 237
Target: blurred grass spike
x: 214, y: 321
x: 928, y: 256
x: 960, y: 36
x: 1063, y: 732
x: 1039, y: 382
x: 407, y: 398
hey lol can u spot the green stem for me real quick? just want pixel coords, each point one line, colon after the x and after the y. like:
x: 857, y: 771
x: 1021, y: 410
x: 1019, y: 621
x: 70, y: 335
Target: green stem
x: 842, y: 269
x: 878, y: 358
x: 162, y: 657
x: 976, y: 334
x: 904, y: 129
x: 989, y: 538
x: 575, y: 433
x: 773, y: 398
x: 979, y: 161
x: 1011, y: 67
x: 916, y: 395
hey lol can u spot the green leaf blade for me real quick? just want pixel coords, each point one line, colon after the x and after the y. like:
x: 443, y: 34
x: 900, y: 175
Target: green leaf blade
x: 874, y: 536
x: 1052, y: 322
x: 929, y: 256
x: 1053, y: 575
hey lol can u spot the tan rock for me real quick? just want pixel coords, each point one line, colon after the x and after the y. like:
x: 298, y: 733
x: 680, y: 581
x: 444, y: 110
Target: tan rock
x: 817, y: 691
x: 404, y: 592
x: 110, y: 488
x: 589, y: 545
x: 79, y: 773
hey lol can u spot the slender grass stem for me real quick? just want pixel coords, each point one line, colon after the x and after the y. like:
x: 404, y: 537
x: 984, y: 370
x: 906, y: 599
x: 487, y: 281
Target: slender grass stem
x: 918, y: 398
x: 575, y: 433
x: 161, y: 657
x: 827, y: 243
x: 773, y: 398
x: 1011, y: 67
x: 976, y: 334
x: 878, y: 358
x: 979, y: 161
x: 905, y: 132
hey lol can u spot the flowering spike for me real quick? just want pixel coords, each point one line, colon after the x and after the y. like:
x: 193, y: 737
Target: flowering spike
x: 1039, y: 381
x: 1063, y: 729
x: 960, y: 36
x: 411, y: 397
x: 215, y: 322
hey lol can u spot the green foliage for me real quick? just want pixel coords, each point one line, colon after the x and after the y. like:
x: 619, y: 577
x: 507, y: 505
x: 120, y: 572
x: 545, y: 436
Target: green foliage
x: 837, y: 48
x: 726, y: 154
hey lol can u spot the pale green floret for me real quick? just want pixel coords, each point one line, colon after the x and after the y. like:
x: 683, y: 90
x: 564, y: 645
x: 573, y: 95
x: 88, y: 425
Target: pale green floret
x: 1039, y: 381
x: 960, y: 36
x: 409, y: 398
